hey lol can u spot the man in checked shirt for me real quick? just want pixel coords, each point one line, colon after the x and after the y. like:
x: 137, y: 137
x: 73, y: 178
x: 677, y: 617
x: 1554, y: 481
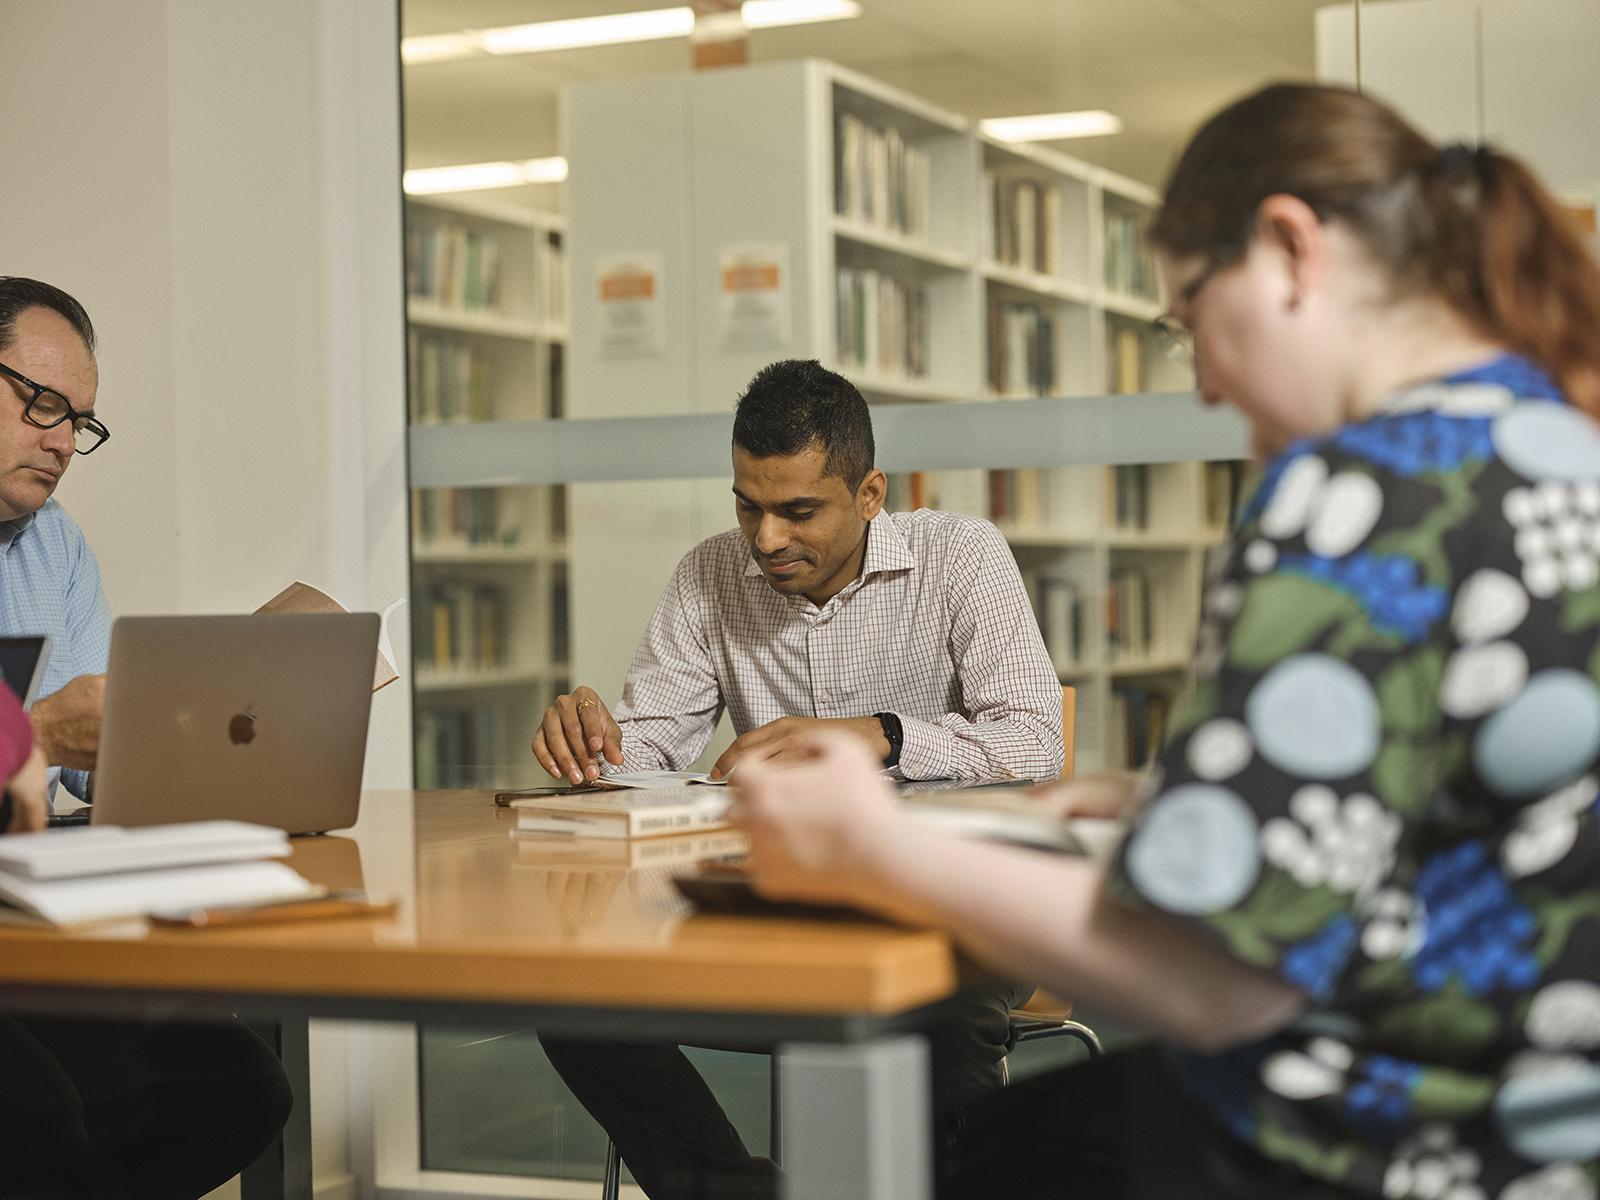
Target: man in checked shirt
x: 912, y: 630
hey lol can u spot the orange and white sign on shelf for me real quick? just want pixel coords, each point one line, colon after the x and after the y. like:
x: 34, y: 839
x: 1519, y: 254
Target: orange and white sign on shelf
x: 754, y: 292
x: 631, y: 304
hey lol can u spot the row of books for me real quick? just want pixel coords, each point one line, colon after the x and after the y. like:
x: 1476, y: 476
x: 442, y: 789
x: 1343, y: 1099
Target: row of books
x: 882, y: 323
x: 1024, y: 224
x: 476, y: 516
x: 456, y: 745
x: 1059, y: 606
x: 1224, y: 490
x: 879, y: 178
x: 451, y: 380
x: 460, y: 626
x: 1041, y: 497
x: 1129, y: 631
x: 1130, y: 269
x: 452, y: 266
x: 1137, y: 727
x: 1022, y: 350
x: 1128, y: 496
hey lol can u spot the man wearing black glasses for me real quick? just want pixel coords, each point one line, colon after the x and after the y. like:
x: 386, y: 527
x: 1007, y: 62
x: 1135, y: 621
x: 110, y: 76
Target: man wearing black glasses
x: 95, y: 1108
x: 49, y: 579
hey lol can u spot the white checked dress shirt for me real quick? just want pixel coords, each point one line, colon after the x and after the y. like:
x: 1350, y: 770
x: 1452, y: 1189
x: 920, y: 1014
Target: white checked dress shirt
x: 936, y: 629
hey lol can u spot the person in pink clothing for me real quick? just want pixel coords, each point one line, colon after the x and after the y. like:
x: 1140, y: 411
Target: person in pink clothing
x: 24, y: 806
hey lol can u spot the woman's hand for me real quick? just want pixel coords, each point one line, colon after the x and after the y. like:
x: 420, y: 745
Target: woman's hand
x: 817, y: 820
x: 29, y: 806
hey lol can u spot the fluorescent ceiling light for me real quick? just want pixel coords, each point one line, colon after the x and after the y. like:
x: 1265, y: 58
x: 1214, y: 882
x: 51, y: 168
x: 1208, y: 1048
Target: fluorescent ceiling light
x: 613, y: 29
x: 476, y: 177
x: 1050, y: 127
x: 768, y: 14
x: 438, y: 47
x: 608, y: 30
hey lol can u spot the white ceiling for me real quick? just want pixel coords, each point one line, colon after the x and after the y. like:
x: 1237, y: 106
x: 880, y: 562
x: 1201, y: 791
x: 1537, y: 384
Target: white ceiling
x: 1161, y: 65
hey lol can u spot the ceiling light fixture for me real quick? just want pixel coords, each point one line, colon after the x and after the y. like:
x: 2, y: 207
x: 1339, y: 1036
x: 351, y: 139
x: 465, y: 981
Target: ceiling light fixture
x: 1051, y: 127
x: 477, y: 177
x: 769, y: 14
x: 610, y: 30
x: 613, y: 29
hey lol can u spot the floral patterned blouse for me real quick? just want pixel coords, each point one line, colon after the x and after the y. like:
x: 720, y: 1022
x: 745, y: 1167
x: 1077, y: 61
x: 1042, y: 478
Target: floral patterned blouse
x: 1384, y: 788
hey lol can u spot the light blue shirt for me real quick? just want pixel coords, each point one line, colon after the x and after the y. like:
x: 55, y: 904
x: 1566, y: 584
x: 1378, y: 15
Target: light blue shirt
x: 50, y: 584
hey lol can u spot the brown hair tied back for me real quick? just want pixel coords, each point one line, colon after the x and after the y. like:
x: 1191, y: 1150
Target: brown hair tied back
x: 1466, y: 224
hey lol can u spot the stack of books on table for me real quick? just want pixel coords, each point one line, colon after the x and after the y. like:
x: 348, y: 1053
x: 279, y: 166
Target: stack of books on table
x: 104, y: 873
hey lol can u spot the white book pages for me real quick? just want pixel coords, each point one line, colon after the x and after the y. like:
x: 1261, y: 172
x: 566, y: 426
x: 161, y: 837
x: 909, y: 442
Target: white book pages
x: 135, y: 893
x: 103, y: 850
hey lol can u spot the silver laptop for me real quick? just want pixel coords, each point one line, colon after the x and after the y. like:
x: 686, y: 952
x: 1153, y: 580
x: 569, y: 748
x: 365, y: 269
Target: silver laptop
x: 252, y: 718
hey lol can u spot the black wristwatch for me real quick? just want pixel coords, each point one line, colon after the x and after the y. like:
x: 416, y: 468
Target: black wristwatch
x: 894, y: 735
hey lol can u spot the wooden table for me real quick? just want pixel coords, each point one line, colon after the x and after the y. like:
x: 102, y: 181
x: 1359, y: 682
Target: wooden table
x: 487, y: 932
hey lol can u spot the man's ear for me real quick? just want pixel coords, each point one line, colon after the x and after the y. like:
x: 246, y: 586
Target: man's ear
x: 1292, y: 230
x: 871, y: 493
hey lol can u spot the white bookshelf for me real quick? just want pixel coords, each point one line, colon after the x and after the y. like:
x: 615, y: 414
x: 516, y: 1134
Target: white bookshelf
x: 747, y: 157
x: 488, y: 565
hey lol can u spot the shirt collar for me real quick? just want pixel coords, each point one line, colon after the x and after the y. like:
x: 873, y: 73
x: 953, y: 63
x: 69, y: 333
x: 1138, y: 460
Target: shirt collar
x: 886, y: 549
x: 10, y: 531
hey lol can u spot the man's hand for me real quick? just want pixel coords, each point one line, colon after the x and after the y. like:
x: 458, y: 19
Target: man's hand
x: 577, y: 730
x: 66, y: 724
x: 794, y: 737
x: 29, y: 807
x: 816, y: 820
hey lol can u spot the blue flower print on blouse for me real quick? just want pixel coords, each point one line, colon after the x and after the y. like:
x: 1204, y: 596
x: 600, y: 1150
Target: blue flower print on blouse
x: 1379, y: 1100
x: 1411, y: 444
x: 1315, y: 964
x: 1511, y: 371
x: 1476, y: 931
x: 1386, y: 585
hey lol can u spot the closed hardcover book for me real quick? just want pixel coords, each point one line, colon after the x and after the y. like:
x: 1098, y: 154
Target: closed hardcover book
x: 631, y: 813
x: 554, y: 851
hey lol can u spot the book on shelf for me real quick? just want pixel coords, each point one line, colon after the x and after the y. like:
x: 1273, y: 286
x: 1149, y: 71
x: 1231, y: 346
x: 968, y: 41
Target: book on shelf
x: 1129, y: 267
x: 564, y: 851
x: 1129, y: 499
x: 1042, y: 498
x: 1127, y: 362
x: 106, y: 873
x: 457, y: 516
x: 456, y: 745
x: 452, y: 266
x: 549, y: 298
x: 460, y: 626
x: 1224, y: 488
x: 1138, y: 726
x: 1024, y: 223
x: 1022, y: 349
x: 880, y: 178
x: 882, y: 323
x: 451, y: 380
x: 560, y: 618
x: 625, y: 813
x: 1128, y: 626
x: 1059, y: 605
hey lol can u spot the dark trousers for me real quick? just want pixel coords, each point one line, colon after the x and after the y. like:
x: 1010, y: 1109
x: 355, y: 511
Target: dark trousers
x: 1118, y: 1128
x: 120, y: 1109
x: 676, y: 1139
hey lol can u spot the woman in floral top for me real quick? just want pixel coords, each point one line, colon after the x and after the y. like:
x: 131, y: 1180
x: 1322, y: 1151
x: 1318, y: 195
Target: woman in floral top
x: 1359, y: 901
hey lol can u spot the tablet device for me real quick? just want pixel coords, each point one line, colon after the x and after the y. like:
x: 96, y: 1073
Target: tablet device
x: 22, y: 662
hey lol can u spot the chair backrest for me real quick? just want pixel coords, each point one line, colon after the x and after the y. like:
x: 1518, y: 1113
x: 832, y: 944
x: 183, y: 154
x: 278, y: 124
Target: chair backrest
x: 1069, y: 717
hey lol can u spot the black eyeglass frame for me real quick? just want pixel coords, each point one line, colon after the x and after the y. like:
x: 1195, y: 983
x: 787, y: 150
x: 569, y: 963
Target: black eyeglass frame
x: 90, y: 424
x: 1178, y: 339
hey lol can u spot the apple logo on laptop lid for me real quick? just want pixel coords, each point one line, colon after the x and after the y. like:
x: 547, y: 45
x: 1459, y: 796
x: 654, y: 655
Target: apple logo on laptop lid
x: 242, y: 729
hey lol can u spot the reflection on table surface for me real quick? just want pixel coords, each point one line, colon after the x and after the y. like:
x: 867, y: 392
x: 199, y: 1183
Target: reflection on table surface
x: 485, y: 914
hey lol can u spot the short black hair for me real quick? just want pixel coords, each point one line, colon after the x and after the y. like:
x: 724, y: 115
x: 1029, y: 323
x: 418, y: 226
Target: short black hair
x: 793, y: 405
x: 18, y: 294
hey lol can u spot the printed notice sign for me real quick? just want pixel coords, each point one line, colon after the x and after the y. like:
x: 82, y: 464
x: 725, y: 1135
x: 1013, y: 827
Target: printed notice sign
x: 632, y: 305
x: 753, y: 284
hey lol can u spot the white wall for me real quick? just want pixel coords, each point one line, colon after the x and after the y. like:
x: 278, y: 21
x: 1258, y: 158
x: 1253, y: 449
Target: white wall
x: 1517, y: 73
x: 218, y: 182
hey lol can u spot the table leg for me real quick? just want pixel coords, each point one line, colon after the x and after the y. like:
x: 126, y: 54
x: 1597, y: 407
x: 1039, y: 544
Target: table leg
x: 856, y: 1121
x: 283, y: 1172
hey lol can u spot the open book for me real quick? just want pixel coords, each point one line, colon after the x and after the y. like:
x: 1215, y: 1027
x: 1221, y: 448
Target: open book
x: 78, y: 876
x: 301, y: 597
